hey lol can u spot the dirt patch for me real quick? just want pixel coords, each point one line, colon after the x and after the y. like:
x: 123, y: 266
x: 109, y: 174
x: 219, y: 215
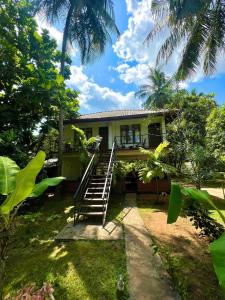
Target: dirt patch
x: 185, y: 255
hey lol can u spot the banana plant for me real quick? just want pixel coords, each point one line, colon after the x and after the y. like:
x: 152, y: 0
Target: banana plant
x: 15, y: 187
x: 177, y: 199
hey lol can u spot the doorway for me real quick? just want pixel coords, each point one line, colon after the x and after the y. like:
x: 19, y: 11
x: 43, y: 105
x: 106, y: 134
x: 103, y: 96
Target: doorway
x: 155, y: 135
x: 104, y: 133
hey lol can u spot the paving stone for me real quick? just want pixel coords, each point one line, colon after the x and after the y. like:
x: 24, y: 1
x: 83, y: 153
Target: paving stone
x: 82, y: 231
x: 148, y: 280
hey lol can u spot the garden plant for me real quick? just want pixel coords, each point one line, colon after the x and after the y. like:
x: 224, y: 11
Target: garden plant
x: 15, y: 187
x: 178, y: 197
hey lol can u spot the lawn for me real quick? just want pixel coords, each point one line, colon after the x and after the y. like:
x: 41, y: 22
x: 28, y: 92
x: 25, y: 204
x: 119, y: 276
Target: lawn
x: 77, y: 270
x: 184, y: 254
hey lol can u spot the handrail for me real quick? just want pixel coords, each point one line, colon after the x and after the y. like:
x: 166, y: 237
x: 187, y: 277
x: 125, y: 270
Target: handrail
x: 108, y: 171
x: 84, y: 176
x: 85, y: 179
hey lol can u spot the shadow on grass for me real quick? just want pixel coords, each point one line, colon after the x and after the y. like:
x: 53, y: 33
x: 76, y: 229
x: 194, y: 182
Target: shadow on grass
x: 77, y: 270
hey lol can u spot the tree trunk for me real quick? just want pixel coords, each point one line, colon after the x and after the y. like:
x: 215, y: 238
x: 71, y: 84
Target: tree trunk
x: 62, y: 69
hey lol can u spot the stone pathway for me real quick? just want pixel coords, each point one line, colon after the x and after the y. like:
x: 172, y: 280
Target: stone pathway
x: 147, y: 278
x: 82, y: 231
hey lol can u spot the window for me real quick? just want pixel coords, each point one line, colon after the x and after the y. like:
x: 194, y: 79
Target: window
x: 130, y: 134
x: 88, y: 132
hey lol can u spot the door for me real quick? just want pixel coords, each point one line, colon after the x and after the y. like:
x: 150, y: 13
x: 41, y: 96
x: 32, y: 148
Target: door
x: 104, y: 133
x: 155, y: 135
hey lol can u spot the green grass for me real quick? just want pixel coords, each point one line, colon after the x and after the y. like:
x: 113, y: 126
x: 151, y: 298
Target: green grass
x: 77, y: 270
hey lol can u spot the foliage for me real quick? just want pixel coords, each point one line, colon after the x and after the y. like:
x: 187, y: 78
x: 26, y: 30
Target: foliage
x: 201, y: 219
x: 82, y: 144
x: 202, y: 165
x: 216, y: 247
x: 122, y: 169
x: 155, y: 167
x: 215, y: 129
x: 31, y: 87
x: 189, y: 126
x: 88, y: 24
x: 158, y: 92
x: 16, y: 186
x: 197, y: 25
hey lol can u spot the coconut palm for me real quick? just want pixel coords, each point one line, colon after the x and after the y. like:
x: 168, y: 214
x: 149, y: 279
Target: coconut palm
x: 158, y: 92
x: 198, y: 25
x: 88, y: 24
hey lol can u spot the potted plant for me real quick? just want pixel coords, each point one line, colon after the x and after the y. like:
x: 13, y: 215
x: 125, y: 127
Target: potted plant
x: 154, y: 172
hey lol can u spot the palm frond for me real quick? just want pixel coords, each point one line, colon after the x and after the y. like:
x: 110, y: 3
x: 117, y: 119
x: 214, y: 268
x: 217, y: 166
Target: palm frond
x: 215, y: 39
x: 159, y: 150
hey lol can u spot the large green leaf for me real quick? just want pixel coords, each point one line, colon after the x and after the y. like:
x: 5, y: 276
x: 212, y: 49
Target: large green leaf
x: 217, y: 249
x: 175, y: 204
x: 8, y: 171
x: 25, y: 181
x: 40, y: 187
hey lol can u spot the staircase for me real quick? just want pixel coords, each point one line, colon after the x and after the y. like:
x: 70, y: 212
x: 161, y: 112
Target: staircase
x: 92, y: 196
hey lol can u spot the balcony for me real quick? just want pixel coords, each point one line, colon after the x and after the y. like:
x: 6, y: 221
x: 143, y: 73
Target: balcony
x: 147, y: 141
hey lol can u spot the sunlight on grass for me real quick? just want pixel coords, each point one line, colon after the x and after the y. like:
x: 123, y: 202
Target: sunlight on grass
x: 77, y: 270
x: 58, y: 252
x: 68, y: 209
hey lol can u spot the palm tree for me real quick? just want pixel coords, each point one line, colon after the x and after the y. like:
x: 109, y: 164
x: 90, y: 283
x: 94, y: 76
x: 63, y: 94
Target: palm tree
x: 158, y: 92
x: 88, y: 23
x: 198, y: 25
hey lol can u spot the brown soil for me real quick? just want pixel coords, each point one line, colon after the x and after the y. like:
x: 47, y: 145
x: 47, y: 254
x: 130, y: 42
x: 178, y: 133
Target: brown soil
x: 185, y: 255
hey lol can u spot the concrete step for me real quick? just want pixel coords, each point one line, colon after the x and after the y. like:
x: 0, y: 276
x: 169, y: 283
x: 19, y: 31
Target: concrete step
x: 92, y: 213
x: 97, y: 199
x: 93, y: 205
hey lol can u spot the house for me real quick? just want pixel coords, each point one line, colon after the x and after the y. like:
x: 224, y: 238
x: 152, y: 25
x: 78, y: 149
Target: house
x: 129, y: 129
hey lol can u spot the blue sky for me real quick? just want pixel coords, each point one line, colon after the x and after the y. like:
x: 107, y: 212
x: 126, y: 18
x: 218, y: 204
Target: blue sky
x: 111, y: 81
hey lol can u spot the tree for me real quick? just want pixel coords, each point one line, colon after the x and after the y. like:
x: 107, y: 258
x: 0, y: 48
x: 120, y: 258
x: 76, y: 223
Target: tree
x: 196, y: 24
x: 188, y: 129
x: 202, y: 164
x: 215, y: 129
x: 159, y: 90
x: 30, y: 84
x: 87, y: 23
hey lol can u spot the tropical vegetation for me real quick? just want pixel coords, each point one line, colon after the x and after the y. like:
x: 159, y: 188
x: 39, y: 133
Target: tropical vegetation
x: 157, y: 93
x: 88, y: 24
x: 15, y: 187
x: 178, y: 196
x: 196, y: 25
x: 30, y: 84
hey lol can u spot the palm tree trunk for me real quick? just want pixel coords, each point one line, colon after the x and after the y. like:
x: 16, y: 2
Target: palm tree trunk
x: 62, y: 69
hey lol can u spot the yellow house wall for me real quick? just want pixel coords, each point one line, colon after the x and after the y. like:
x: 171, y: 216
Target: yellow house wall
x: 72, y: 168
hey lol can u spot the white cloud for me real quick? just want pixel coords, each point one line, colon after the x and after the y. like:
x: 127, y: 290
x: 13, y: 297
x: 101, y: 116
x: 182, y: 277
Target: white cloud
x: 137, y: 74
x: 54, y: 33
x: 131, y: 47
x: 90, y: 90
